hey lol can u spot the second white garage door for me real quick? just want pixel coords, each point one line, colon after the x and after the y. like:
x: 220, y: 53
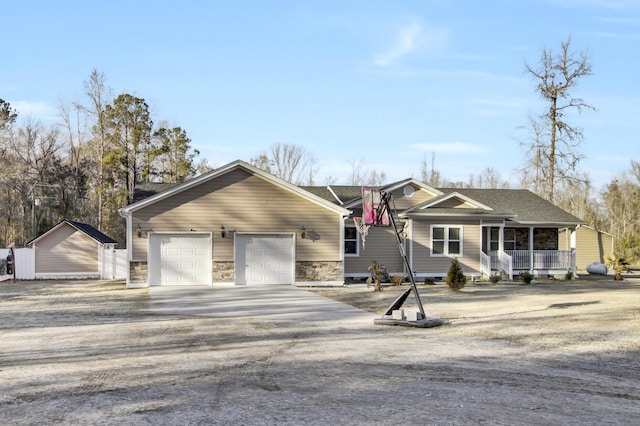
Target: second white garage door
x: 265, y: 259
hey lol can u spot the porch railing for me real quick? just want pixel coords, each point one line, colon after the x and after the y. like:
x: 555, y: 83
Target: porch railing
x: 485, y: 264
x: 543, y: 260
x: 500, y: 261
x: 506, y: 263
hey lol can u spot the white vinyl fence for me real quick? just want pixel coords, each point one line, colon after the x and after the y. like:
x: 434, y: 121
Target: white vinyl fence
x: 23, y: 264
x: 114, y: 264
x: 23, y: 267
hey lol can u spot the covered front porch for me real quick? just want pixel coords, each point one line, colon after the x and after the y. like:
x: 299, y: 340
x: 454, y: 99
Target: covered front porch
x: 513, y: 250
x: 537, y: 262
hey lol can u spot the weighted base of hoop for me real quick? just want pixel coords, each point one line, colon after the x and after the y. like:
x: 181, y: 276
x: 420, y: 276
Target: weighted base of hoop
x: 421, y: 323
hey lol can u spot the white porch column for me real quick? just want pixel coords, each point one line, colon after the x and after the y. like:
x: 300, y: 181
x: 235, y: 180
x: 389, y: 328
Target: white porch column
x: 531, y: 249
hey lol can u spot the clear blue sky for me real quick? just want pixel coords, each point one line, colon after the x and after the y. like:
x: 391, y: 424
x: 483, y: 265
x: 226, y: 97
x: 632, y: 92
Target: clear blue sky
x: 383, y: 83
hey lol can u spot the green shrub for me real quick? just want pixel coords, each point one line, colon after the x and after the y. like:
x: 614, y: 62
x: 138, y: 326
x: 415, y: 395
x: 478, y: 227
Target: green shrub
x: 568, y: 276
x: 495, y: 279
x: 429, y: 281
x: 455, y: 278
x: 526, y: 277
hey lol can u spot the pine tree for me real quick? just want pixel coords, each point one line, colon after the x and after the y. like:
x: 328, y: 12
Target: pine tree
x: 455, y: 278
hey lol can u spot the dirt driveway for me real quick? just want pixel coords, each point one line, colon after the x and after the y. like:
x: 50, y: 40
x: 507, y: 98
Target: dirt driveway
x: 551, y: 353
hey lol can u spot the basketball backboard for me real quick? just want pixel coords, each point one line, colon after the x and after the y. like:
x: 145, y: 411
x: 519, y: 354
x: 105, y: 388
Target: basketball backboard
x: 374, y: 211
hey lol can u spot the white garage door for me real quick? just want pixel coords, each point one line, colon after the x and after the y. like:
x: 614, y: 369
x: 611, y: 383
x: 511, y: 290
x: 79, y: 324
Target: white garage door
x: 265, y: 259
x: 176, y: 259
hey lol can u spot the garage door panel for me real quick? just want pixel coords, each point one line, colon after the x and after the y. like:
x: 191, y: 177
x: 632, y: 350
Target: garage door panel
x: 182, y: 259
x: 265, y: 259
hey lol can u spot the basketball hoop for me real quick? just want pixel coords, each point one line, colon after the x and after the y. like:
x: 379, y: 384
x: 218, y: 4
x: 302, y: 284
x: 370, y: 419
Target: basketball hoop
x: 363, y: 228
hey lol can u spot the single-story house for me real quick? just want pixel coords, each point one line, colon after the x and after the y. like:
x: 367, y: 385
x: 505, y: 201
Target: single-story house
x: 489, y: 231
x: 239, y: 224
x: 591, y: 245
x: 72, y: 250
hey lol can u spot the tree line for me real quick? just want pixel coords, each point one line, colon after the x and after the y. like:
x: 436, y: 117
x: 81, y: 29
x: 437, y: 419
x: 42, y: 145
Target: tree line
x: 87, y: 166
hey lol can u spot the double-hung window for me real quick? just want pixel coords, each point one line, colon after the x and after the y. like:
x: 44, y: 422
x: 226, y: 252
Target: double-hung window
x: 351, y: 241
x: 446, y: 240
x: 509, y: 239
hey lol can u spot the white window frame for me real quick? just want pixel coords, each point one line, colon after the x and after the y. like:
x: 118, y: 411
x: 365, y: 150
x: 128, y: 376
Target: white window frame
x: 505, y: 240
x: 356, y: 239
x: 447, y: 241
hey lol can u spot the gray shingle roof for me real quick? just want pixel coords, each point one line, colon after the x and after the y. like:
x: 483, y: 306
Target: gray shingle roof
x: 519, y: 205
x: 524, y: 205
x: 345, y: 193
x: 147, y: 189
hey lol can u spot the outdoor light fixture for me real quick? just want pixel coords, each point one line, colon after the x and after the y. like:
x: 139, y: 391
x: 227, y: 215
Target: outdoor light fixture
x: 139, y: 231
x: 223, y: 232
x: 303, y: 232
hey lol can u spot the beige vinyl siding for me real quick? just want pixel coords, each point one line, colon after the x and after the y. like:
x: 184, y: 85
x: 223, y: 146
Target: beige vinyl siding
x: 595, y: 247
x: 455, y: 203
x: 244, y: 203
x: 424, y: 263
x: 381, y: 245
x: 66, y: 250
x: 591, y: 246
x: 402, y: 202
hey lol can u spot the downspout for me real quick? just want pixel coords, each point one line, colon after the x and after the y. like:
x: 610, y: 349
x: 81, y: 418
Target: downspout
x: 410, y: 243
x: 129, y: 244
x: 342, y: 257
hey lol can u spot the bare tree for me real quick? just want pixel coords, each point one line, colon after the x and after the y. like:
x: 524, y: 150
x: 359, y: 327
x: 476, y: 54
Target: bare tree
x: 489, y: 178
x: 363, y: 176
x: 533, y: 174
x: 556, y: 156
x: 622, y: 198
x: 98, y: 92
x: 431, y: 176
x: 289, y: 162
x: 575, y: 196
x: 34, y: 172
x: 80, y: 161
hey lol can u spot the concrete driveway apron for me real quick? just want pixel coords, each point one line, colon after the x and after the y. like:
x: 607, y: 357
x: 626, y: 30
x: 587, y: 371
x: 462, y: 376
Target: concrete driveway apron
x: 278, y: 302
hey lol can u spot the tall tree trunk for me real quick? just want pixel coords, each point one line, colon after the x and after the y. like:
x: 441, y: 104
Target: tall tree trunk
x: 552, y: 147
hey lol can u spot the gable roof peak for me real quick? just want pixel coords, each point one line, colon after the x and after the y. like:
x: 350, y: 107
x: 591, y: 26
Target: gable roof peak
x: 234, y: 165
x: 85, y: 228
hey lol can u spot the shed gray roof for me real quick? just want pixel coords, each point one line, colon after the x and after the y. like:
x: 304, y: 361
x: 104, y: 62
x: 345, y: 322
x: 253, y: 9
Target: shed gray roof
x: 82, y: 227
x: 92, y: 232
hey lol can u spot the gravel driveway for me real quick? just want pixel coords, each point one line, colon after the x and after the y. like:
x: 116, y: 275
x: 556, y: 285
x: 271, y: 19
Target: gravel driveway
x: 84, y: 352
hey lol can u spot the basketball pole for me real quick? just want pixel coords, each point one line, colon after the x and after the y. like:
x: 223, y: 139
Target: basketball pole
x: 423, y: 321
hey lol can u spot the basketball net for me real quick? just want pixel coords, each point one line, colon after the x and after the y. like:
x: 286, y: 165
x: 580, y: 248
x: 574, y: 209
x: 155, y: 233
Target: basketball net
x: 363, y: 229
